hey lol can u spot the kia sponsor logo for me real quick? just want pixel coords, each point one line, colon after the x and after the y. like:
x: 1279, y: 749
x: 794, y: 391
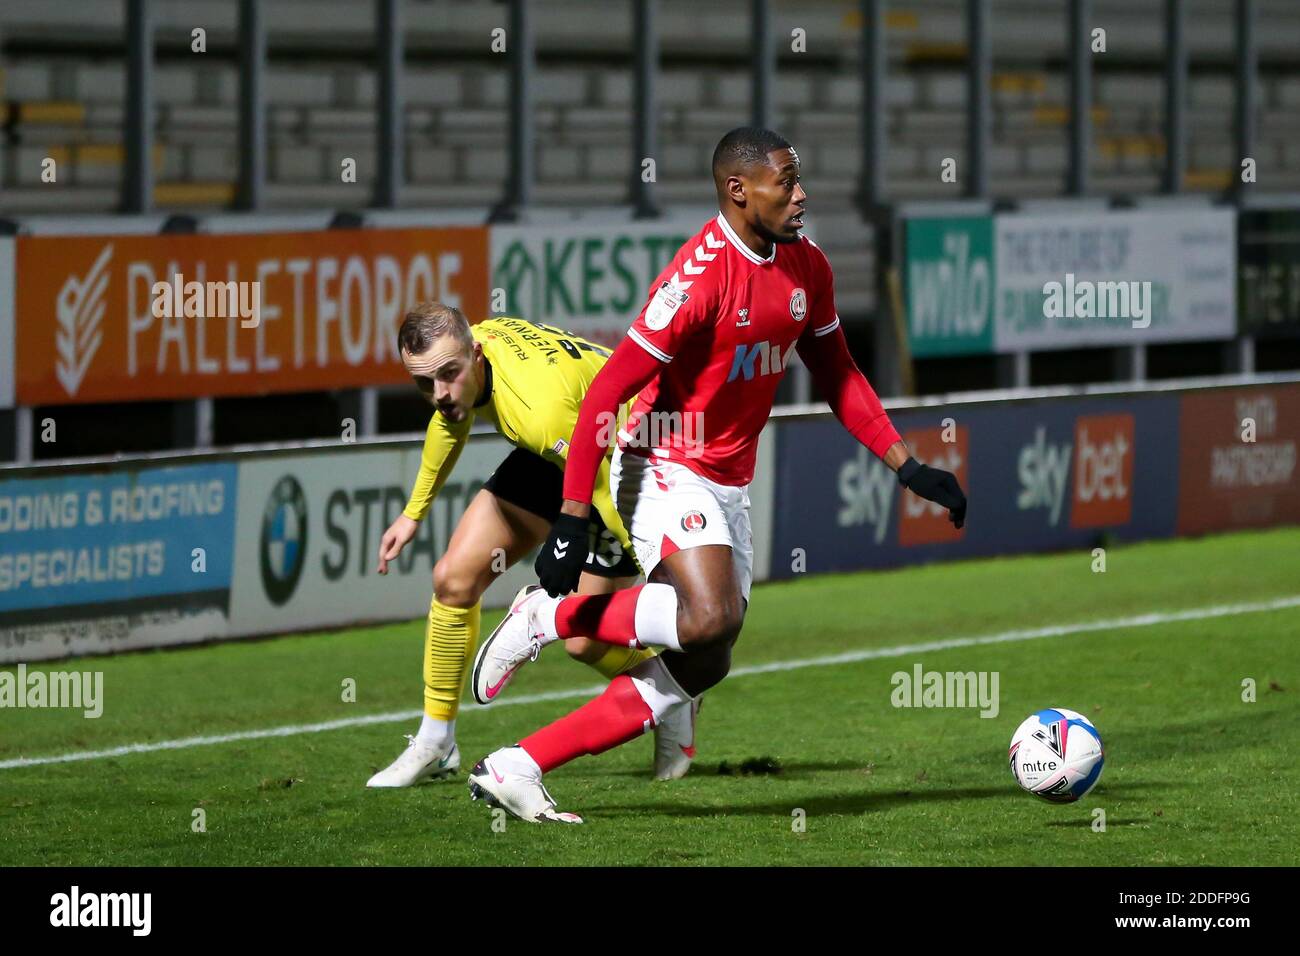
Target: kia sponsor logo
x: 761, y: 358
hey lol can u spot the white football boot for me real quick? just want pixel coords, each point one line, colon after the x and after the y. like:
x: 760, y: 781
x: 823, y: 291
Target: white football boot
x: 417, y: 764
x: 675, y: 741
x: 508, y: 778
x: 513, y: 643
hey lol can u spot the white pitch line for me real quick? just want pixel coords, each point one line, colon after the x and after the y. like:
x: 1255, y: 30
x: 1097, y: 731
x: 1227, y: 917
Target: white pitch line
x: 851, y: 657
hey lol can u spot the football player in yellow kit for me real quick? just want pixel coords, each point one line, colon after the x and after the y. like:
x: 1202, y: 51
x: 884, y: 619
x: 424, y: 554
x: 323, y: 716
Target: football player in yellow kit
x: 528, y: 380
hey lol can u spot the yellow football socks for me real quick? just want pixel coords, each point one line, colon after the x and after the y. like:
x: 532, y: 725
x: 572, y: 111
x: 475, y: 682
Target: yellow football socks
x: 619, y: 660
x: 450, y: 636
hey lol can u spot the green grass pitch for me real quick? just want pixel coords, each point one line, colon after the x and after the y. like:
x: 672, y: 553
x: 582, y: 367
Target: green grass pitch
x: 1194, y: 774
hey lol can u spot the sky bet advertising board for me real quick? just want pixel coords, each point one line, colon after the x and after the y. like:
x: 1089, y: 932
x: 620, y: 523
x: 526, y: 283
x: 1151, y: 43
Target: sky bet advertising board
x: 1039, y: 476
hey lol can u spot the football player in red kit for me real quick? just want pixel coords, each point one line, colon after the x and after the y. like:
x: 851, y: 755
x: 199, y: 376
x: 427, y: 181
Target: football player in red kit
x: 704, y: 357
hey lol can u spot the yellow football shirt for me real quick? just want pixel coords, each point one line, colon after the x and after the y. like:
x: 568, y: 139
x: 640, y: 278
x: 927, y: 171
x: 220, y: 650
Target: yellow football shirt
x: 539, y: 377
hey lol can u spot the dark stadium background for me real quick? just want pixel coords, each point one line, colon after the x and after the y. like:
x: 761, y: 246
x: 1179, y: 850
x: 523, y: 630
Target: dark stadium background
x: 68, y: 91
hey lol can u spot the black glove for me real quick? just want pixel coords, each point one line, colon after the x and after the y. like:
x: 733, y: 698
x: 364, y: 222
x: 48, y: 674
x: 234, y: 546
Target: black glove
x: 935, y: 485
x: 560, y: 563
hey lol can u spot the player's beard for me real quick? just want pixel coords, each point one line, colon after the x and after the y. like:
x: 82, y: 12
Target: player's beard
x: 781, y: 238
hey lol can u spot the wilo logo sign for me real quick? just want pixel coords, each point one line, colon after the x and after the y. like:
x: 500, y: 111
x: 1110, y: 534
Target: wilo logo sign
x: 950, y: 276
x: 1029, y: 282
x: 120, y: 318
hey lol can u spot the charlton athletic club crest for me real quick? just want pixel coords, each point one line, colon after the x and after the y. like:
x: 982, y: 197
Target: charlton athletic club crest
x: 798, y: 305
x: 693, y: 521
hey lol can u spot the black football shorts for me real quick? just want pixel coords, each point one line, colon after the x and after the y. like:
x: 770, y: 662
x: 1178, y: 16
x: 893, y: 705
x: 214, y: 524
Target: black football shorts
x: 531, y: 482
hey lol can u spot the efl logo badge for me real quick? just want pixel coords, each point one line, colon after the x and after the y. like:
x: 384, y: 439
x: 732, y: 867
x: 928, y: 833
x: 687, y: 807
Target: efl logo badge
x: 668, y: 299
x: 693, y: 521
x: 798, y: 305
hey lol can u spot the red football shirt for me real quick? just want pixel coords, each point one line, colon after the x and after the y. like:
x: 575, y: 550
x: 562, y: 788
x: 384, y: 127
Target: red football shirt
x: 725, y: 322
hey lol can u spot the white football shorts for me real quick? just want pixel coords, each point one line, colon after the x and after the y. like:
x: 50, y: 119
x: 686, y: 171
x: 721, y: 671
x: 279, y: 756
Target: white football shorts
x: 666, y: 507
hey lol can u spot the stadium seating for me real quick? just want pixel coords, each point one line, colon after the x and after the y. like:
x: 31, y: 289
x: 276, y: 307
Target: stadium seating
x: 69, y: 106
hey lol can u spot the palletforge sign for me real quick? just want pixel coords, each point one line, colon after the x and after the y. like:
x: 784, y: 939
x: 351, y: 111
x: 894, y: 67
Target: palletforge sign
x: 94, y: 326
x: 119, y: 318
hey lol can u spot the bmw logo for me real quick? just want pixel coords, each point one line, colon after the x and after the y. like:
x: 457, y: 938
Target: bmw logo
x: 284, y: 539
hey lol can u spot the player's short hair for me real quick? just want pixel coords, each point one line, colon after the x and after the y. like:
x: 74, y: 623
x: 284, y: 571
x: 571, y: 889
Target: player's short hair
x: 742, y: 149
x: 430, y: 321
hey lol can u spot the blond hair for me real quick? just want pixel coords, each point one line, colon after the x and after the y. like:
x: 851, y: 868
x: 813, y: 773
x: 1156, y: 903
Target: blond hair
x: 428, y: 321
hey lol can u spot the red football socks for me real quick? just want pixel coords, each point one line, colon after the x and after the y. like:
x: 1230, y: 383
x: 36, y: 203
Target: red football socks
x: 615, y: 717
x: 643, y: 616
x: 610, y: 618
